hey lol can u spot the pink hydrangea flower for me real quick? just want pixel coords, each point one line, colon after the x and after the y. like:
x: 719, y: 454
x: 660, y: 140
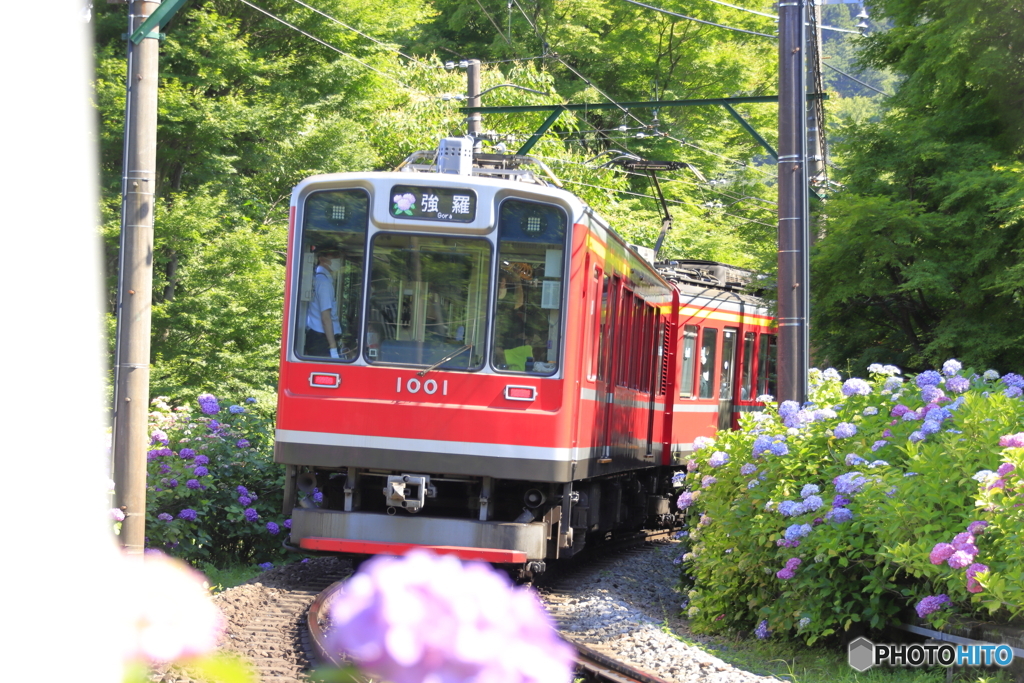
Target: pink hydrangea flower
x: 972, y: 583
x: 168, y: 614
x: 1012, y: 440
x: 940, y: 553
x: 428, y: 618
x: 1005, y: 469
x: 959, y: 559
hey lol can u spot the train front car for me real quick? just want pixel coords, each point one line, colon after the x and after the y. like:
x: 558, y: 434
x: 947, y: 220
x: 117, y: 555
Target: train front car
x: 457, y: 306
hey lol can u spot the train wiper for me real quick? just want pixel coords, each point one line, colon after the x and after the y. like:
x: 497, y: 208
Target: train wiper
x: 444, y: 360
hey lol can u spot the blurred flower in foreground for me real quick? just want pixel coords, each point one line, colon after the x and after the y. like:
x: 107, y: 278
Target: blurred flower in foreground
x: 432, y: 618
x: 168, y: 613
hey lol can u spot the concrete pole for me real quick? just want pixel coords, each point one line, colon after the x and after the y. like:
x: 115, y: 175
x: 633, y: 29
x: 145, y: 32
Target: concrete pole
x: 135, y: 282
x: 474, y: 121
x: 794, y: 266
x: 816, y: 152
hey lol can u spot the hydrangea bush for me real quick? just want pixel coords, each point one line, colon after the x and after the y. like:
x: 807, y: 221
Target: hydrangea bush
x: 879, y: 496
x: 214, y: 493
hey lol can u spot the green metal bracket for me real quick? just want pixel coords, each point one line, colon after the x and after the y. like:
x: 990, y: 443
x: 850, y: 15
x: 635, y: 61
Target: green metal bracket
x: 161, y: 16
x: 540, y: 131
x: 750, y: 129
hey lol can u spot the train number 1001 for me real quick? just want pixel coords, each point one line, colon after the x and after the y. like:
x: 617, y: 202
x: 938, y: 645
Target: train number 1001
x: 415, y: 386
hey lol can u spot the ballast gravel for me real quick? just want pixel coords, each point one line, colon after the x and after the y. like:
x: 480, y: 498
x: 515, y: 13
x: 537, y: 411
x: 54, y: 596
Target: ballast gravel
x: 627, y: 607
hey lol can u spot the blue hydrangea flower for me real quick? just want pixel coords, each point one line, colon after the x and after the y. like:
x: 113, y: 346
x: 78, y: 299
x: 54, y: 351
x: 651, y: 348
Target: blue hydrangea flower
x: 839, y: 515
x: 718, y: 458
x: 236, y: 409
x: 164, y: 517
x: 932, y: 394
x: 803, y: 623
x: 849, y: 483
x: 917, y: 436
x: 823, y: 414
x: 778, y: 448
x: 186, y: 453
x: 748, y: 469
x: 892, y: 384
x: 250, y: 400
x: 685, y: 500
x: 251, y: 515
x: 193, y: 484
x: 1013, y: 392
x: 752, y: 483
x: 266, y: 565
x: 188, y: 514
x: 790, y: 508
x: 797, y: 531
x: 853, y: 460
x: 958, y: 384
x: 678, y: 478
x: 845, y: 430
x: 856, y: 387
x: 809, y: 490
x: 762, y: 631
x: 990, y: 375
x: 788, y: 409
x: 951, y: 367
x: 878, y: 463
x: 1012, y: 379
x: 878, y: 444
x: 931, y: 427
x: 831, y: 374
x: 242, y: 443
x: 928, y: 378
x: 812, y: 503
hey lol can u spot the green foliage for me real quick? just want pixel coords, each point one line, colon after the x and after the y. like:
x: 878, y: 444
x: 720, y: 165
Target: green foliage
x: 232, y: 499
x: 909, y: 482
x: 922, y: 247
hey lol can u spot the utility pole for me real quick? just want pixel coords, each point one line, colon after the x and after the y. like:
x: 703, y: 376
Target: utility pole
x: 474, y: 120
x: 794, y: 233
x: 135, y: 280
x: 815, y: 118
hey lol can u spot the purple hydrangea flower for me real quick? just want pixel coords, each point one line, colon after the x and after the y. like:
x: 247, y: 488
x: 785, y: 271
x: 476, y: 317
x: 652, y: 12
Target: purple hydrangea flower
x: 932, y: 603
x: 242, y: 443
x: 164, y: 517
x: 932, y: 394
x: 940, y: 553
x: 187, y: 453
x: 165, y: 468
x: 242, y: 491
x: 778, y: 448
x: 273, y: 528
x: 762, y: 631
x: 707, y: 481
x: 208, y: 404
x: 812, y: 503
x: 849, y: 483
x: 718, y: 458
x: 202, y: 460
x: 288, y: 523
x: 878, y: 444
x: 965, y: 541
x: 170, y: 483
x: 318, y: 497
x: 928, y: 378
x: 911, y: 416
x: 686, y: 499
x: 1013, y: 392
x: 809, y: 490
x: 975, y: 528
x: 188, y: 514
x: 470, y: 624
x: 158, y: 436
x: 245, y: 501
x: 972, y: 583
x: 839, y: 515
x: 1007, y: 441
x: 789, y: 571
x: 266, y: 566
x: 856, y: 387
x: 235, y: 410
x: 1005, y: 469
x: 702, y: 442
x: 748, y: 469
x: 251, y: 515
x: 691, y: 465
x: 840, y: 501
x: 201, y: 472
x: 957, y: 385
x: 1012, y: 379
x: 193, y: 484
x: 917, y: 436
x: 853, y: 460
x: 931, y: 427
x: 845, y: 430
x: 959, y: 559
x: 899, y: 410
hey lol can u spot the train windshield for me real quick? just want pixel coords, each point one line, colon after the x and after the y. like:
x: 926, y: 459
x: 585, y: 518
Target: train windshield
x: 528, y: 304
x: 427, y: 301
x: 330, y: 284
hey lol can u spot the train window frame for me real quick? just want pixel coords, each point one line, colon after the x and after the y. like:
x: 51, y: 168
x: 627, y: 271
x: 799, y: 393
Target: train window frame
x: 591, y: 327
x: 747, y: 381
x: 687, y: 379
x: 330, y: 235
x: 767, y: 375
x: 707, y: 381
x: 513, y: 279
x: 448, y: 338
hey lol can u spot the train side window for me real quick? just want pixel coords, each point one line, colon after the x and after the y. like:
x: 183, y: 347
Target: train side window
x: 593, y: 328
x: 766, y: 365
x: 530, y: 276
x: 688, y: 363
x: 747, y: 377
x: 728, y: 368
x: 708, y: 351
x: 332, y: 248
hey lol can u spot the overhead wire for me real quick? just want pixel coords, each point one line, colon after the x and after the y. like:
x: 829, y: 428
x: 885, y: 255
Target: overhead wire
x: 364, y: 35
x: 855, y: 80
x: 700, y: 21
x: 328, y: 45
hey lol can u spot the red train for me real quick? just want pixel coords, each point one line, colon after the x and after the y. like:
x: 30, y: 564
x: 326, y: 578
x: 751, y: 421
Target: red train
x: 473, y: 360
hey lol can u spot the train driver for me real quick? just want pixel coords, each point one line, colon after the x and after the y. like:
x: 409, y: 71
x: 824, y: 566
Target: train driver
x: 323, y: 329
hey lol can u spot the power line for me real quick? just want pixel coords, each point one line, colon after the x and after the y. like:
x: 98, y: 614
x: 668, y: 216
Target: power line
x: 700, y: 21
x: 328, y: 45
x: 869, y: 87
x: 364, y: 35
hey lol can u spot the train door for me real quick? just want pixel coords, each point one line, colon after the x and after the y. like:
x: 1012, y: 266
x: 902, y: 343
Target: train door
x: 655, y: 333
x: 604, y: 385
x: 726, y: 375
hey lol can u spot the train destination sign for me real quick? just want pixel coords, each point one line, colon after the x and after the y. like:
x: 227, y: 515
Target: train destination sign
x: 415, y: 202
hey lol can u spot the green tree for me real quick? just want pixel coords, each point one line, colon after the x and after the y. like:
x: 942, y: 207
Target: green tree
x: 923, y: 255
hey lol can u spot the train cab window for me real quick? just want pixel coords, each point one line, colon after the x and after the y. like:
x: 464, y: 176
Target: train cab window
x: 708, y: 351
x: 689, y: 356
x: 332, y: 246
x: 747, y: 376
x: 766, y: 365
x: 427, y: 302
x: 529, y: 286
